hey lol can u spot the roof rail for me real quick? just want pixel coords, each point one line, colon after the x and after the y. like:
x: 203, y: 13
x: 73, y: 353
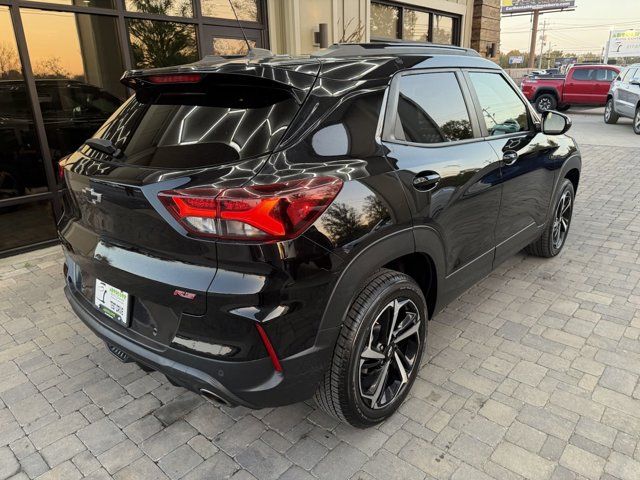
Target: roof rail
x: 392, y: 48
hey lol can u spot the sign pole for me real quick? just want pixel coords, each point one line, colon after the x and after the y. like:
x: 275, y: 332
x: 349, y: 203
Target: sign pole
x: 605, y: 60
x: 534, y: 35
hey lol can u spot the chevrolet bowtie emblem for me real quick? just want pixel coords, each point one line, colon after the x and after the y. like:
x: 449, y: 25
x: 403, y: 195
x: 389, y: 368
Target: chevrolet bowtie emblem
x: 92, y: 196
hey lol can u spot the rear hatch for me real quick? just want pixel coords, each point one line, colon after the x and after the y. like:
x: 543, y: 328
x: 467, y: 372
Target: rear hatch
x: 207, y: 129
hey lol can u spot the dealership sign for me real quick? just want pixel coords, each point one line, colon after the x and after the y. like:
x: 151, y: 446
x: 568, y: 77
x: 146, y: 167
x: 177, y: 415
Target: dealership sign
x: 624, y: 43
x: 519, y: 6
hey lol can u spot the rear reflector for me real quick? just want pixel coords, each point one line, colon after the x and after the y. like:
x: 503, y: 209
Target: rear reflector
x: 269, y: 347
x: 175, y: 78
x: 278, y: 211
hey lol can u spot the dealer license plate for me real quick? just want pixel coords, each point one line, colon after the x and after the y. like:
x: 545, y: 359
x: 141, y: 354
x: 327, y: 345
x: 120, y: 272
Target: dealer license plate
x: 112, y: 301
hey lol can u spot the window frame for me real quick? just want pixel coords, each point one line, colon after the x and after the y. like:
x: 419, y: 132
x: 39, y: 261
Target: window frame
x: 534, y: 120
x: 457, y: 21
x: 390, y: 113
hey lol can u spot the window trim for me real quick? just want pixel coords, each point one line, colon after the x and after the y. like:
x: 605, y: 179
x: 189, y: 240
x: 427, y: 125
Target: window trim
x: 534, y: 120
x: 391, y: 109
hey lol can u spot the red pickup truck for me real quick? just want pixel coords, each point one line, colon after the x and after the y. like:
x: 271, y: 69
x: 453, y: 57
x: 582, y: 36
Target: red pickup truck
x: 583, y: 85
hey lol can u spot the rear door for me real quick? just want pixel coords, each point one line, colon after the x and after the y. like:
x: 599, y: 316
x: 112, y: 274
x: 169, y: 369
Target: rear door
x: 624, y: 94
x: 450, y: 174
x: 602, y: 84
x: 578, y: 87
x: 526, y: 163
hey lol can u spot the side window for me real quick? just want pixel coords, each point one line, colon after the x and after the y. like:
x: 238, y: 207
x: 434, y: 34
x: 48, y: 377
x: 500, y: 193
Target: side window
x: 431, y: 109
x: 582, y: 74
x: 503, y: 110
x: 605, y: 75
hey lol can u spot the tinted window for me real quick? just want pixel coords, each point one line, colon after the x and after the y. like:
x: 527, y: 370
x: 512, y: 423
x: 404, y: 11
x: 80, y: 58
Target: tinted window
x: 198, y: 129
x: 502, y: 109
x: 628, y: 75
x: 583, y: 74
x: 431, y: 109
x: 603, y: 75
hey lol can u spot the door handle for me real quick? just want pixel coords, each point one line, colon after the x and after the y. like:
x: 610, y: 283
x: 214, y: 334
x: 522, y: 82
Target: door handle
x: 425, y: 181
x: 510, y: 157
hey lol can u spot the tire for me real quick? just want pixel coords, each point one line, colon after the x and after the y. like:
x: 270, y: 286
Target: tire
x: 610, y: 115
x: 636, y: 121
x: 545, y: 102
x: 349, y: 390
x: 550, y: 244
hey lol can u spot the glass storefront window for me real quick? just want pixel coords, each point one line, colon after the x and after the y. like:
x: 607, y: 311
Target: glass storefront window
x: 25, y: 224
x: 415, y: 25
x: 84, y: 3
x: 384, y: 21
x: 177, y: 8
x: 161, y: 44
x: 78, y: 85
x: 21, y: 165
x: 442, y: 29
x: 245, y: 9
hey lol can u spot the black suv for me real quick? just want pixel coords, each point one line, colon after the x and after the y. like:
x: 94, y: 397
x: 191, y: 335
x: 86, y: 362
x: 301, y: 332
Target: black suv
x: 266, y: 229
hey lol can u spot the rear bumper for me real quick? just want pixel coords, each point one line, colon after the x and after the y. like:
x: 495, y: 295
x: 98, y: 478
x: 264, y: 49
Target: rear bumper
x: 253, y: 384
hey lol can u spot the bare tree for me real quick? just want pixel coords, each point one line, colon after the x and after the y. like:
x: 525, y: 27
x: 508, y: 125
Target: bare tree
x: 9, y: 61
x: 50, y: 67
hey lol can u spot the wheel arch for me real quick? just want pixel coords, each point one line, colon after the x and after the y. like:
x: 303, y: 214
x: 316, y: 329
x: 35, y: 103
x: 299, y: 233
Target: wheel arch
x: 549, y: 90
x: 396, y: 251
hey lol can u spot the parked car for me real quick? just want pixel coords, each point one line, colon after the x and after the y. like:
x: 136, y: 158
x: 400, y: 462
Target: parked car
x: 268, y: 229
x: 585, y: 85
x: 623, y: 99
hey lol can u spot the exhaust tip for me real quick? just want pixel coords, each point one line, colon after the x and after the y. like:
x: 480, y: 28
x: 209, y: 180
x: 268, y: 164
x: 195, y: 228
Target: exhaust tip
x: 213, y: 398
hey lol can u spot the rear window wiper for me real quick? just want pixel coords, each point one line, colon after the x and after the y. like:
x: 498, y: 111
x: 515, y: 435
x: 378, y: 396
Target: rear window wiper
x: 105, y: 146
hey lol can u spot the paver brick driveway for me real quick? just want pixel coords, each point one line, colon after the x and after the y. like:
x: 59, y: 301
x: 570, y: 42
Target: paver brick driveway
x: 532, y: 373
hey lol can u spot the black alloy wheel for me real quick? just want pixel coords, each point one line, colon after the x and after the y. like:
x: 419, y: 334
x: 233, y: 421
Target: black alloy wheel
x: 555, y: 232
x: 378, y: 351
x: 390, y: 354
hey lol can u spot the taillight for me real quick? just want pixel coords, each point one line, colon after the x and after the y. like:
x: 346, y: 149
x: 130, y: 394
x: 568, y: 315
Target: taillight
x: 277, y: 211
x: 61, y: 170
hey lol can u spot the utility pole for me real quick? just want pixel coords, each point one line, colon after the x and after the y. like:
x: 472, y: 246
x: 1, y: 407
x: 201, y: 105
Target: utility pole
x: 549, y: 57
x: 542, y: 42
x: 534, y: 36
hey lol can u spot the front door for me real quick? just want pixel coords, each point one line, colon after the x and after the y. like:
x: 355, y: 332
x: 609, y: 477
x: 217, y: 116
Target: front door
x: 449, y: 173
x: 229, y: 40
x: 527, y: 165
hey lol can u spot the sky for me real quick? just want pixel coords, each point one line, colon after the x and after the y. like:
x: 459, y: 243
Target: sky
x: 584, y: 30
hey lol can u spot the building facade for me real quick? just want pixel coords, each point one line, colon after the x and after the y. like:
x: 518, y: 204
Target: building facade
x: 61, y: 61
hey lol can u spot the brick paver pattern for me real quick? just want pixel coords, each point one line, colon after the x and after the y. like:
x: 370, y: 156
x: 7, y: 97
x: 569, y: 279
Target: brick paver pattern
x: 532, y: 373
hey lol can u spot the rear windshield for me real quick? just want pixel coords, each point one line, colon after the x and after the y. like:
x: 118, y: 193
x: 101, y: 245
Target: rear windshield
x: 195, y: 129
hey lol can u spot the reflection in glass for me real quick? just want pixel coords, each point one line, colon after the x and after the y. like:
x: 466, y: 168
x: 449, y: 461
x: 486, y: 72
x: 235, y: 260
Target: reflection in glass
x: 231, y: 46
x: 427, y: 118
x: 245, y: 9
x: 502, y: 108
x: 415, y: 25
x: 84, y: 3
x: 77, y: 76
x: 178, y: 8
x: 442, y: 29
x: 162, y: 44
x: 26, y: 224
x: 21, y: 167
x: 384, y: 21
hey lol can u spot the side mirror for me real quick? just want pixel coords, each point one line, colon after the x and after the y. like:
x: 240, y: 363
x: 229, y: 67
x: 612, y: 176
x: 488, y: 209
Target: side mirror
x: 554, y: 123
